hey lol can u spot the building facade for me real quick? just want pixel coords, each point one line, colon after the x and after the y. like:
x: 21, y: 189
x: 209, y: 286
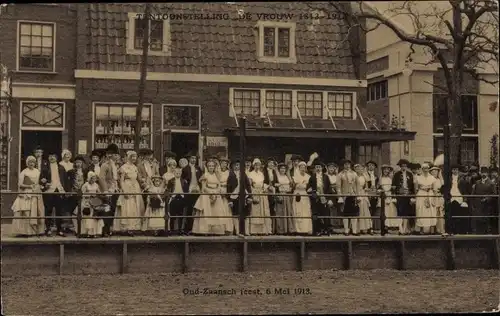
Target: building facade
x: 299, y: 80
x: 413, y: 93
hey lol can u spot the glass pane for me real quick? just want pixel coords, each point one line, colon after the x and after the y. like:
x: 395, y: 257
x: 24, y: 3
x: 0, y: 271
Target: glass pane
x: 47, y: 42
x: 301, y: 96
x: 36, y: 41
x: 25, y: 40
x: 36, y: 29
x: 25, y: 51
x: 101, y: 113
x: 25, y: 29
x: 47, y: 52
x: 145, y: 114
x: 317, y: 96
x: 129, y: 112
x: 47, y: 30
x: 36, y: 51
x: 115, y: 113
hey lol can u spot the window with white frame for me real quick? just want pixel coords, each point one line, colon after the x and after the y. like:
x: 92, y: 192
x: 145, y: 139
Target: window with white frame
x: 340, y: 105
x: 159, y: 35
x: 276, y: 42
x: 246, y: 102
x: 377, y: 90
x: 279, y: 103
x: 368, y: 152
x: 310, y: 104
x: 36, y: 46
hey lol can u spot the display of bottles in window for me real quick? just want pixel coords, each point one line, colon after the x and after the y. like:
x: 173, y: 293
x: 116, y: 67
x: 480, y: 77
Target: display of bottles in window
x: 4, y: 146
x: 117, y: 124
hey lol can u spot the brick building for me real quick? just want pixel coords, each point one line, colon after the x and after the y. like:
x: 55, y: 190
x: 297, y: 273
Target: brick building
x: 301, y: 82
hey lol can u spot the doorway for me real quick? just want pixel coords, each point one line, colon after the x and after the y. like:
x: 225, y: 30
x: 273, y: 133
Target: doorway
x: 47, y: 140
x: 184, y: 143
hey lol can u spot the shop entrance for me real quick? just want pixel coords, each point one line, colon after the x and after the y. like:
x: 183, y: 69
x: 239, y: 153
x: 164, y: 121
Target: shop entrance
x: 183, y: 143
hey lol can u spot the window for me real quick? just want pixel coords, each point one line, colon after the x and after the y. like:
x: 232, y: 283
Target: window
x: 4, y: 145
x: 340, y: 105
x: 469, y: 152
x: 310, y: 104
x: 181, y: 117
x: 377, y: 90
x: 156, y: 34
x: 115, y: 123
x: 42, y: 114
x: 247, y: 102
x: 276, y: 42
x: 279, y: 103
x: 469, y: 113
x: 36, y: 46
x: 159, y: 35
x: 367, y: 153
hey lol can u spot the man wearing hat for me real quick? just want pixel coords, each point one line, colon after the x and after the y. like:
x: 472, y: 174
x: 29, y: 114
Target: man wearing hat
x: 320, y: 185
x: 348, y: 189
x: 248, y: 165
x: 482, y: 206
x: 76, y: 178
x: 40, y: 162
x: 403, y: 183
x: 147, y: 168
x: 372, y: 185
x: 53, y: 178
x: 270, y: 178
x: 233, y: 189
x: 191, y: 174
x: 95, y: 162
x: 108, y: 181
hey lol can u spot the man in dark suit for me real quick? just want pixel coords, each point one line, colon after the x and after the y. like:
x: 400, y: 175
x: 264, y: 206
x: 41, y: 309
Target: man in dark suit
x: 320, y: 184
x: 482, y: 206
x: 176, y: 188
x: 53, y: 179
x: 460, y: 186
x: 372, y: 185
x: 108, y: 182
x: 76, y: 177
x: 233, y: 189
x: 270, y: 178
x: 403, y: 184
x: 191, y: 174
x: 40, y: 162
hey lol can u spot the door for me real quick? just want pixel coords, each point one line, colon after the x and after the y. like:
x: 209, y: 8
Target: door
x: 47, y: 140
x: 184, y: 143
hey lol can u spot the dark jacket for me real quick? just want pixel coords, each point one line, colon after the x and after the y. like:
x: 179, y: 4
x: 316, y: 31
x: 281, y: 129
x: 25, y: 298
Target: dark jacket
x: 267, y: 179
x: 313, y: 184
x: 186, y: 173
x: 397, y: 183
x: 46, y: 174
x: 71, y: 178
x: 232, y: 183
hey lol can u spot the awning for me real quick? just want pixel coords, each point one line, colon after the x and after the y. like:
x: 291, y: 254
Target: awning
x: 291, y: 132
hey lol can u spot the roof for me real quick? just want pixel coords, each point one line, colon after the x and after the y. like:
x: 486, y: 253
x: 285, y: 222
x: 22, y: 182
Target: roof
x: 362, y: 135
x: 215, y: 46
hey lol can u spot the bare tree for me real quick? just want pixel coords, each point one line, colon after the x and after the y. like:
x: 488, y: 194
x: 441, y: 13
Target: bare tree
x: 460, y: 35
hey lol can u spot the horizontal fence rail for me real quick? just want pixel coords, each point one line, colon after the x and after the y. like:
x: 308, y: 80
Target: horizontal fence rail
x: 167, y: 197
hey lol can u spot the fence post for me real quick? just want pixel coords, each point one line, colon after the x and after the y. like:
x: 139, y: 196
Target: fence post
x: 383, y: 230
x: 242, y: 193
x: 167, y: 212
x: 79, y: 215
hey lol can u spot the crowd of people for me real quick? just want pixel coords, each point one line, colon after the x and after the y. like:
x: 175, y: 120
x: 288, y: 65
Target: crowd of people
x: 135, y: 195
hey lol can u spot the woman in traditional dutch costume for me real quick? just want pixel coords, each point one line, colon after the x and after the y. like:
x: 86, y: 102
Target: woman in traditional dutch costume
x: 438, y: 200
x: 28, y: 204
x: 349, y: 189
x: 66, y: 160
x: 223, y: 174
x: 365, y: 223
x: 155, y: 210
x: 261, y: 225
x: 209, y: 205
x: 425, y: 210
x: 283, y: 205
x: 129, y: 205
x: 385, y: 184
x: 169, y: 174
x: 301, y: 204
x: 91, y: 225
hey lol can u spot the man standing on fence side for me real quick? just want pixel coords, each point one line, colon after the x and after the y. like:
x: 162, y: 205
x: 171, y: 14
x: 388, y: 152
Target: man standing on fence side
x: 108, y: 181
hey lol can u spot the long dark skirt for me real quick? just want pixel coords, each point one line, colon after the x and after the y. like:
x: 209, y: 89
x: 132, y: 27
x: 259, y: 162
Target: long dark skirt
x: 350, y: 209
x: 284, y: 208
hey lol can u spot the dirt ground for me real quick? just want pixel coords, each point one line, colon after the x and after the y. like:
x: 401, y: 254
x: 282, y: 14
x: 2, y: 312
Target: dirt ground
x: 310, y: 292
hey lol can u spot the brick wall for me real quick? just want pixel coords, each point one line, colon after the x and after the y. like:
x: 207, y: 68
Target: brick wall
x: 65, y: 49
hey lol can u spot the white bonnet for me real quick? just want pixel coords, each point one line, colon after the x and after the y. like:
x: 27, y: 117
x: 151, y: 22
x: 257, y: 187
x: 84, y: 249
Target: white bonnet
x: 255, y: 161
x: 65, y: 152
x: 91, y: 174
